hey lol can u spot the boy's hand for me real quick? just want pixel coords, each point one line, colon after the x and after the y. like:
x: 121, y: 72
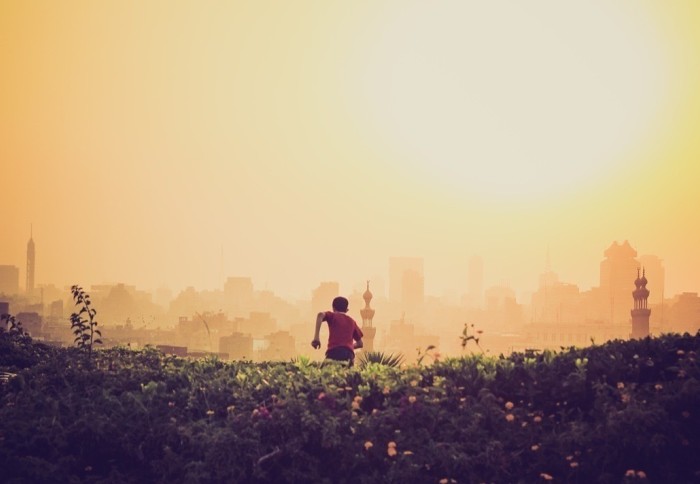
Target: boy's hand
x: 316, y: 344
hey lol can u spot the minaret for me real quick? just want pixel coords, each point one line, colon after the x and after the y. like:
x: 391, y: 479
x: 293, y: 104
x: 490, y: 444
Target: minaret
x: 367, y: 314
x: 30, y: 263
x: 640, y: 313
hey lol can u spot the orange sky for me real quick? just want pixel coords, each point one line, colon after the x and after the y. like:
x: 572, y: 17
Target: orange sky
x: 313, y: 140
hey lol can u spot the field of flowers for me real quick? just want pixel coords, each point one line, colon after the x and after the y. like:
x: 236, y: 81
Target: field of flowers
x: 627, y: 411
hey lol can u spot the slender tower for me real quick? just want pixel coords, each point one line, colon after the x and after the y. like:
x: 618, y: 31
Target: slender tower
x: 640, y: 313
x: 30, y: 263
x: 367, y: 314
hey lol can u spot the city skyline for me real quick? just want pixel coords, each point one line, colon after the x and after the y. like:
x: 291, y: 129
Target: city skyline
x: 405, y: 282
x: 174, y: 145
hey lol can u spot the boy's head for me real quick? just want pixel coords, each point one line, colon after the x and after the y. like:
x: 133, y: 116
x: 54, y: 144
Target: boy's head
x: 340, y: 304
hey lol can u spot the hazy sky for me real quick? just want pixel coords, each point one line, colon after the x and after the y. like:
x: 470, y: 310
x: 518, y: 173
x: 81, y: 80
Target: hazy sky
x: 312, y: 140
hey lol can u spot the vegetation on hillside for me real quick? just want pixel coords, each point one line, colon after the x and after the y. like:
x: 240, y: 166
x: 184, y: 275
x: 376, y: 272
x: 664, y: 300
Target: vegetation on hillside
x: 626, y: 411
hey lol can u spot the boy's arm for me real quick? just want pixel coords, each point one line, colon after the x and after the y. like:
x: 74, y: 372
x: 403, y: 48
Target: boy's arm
x: 316, y: 342
x: 357, y: 336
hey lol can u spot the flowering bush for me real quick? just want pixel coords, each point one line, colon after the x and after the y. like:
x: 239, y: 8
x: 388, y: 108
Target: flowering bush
x: 583, y: 415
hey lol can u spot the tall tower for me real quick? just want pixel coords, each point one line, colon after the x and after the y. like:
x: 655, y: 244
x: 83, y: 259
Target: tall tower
x: 640, y: 313
x: 620, y: 261
x: 367, y: 314
x: 30, y: 263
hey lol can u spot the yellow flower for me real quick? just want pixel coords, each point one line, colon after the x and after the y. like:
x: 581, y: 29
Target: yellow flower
x: 391, y: 451
x: 391, y: 444
x: 368, y: 445
x: 443, y: 480
x: 386, y: 390
x: 414, y: 383
x: 509, y: 405
x: 407, y: 452
x: 210, y: 412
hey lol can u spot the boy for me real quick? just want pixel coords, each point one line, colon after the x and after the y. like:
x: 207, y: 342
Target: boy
x: 344, y: 335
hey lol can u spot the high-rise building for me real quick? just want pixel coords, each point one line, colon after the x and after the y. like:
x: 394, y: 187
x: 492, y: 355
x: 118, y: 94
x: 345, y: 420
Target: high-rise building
x: 407, y: 287
x: 640, y: 313
x: 620, y: 261
x: 368, y: 329
x: 238, y: 294
x: 9, y: 280
x: 30, y: 264
x: 322, y: 297
x: 399, y: 267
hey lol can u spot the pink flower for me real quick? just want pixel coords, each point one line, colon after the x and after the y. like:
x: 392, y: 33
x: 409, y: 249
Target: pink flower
x: 630, y: 473
x: 510, y: 417
x: 537, y: 419
x: 412, y: 399
x: 641, y: 474
x: 509, y: 405
x: 368, y: 445
x: 546, y: 476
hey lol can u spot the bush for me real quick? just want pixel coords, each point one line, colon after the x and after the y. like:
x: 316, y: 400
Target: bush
x: 583, y: 415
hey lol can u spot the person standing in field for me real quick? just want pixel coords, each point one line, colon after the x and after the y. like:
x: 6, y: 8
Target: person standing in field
x: 344, y: 336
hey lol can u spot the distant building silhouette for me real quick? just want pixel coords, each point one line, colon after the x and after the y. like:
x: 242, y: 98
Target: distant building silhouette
x: 238, y: 294
x: 640, y: 313
x: 398, y: 268
x: 4, y: 308
x: 683, y: 314
x: 620, y: 261
x: 239, y: 346
x: 368, y: 329
x: 9, y: 280
x: 323, y: 295
x: 30, y: 264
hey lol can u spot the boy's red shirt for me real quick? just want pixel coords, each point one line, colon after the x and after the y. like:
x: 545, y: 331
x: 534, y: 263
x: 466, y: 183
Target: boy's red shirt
x: 342, y: 330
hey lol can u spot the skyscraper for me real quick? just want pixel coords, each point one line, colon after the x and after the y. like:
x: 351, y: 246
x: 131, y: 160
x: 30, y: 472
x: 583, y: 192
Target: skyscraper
x: 620, y: 261
x: 30, y: 264
x: 9, y: 280
x: 322, y: 297
x: 398, y: 268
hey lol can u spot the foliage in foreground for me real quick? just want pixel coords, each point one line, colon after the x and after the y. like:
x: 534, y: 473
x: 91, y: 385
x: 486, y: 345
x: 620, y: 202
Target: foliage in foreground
x: 621, y: 412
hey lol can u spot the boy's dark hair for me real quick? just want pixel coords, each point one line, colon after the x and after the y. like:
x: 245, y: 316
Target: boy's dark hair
x: 340, y: 304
